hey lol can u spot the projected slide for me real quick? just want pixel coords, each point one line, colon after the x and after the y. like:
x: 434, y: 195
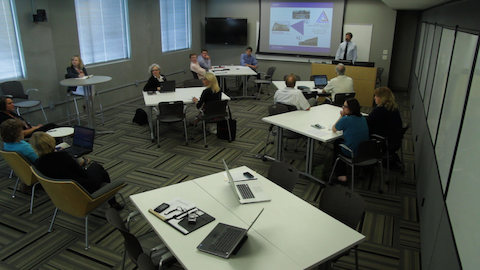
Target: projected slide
x: 301, y: 26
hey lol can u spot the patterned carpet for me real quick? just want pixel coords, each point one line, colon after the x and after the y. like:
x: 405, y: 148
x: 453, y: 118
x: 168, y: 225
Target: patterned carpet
x: 391, y: 222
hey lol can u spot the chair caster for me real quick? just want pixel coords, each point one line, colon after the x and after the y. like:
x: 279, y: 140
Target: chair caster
x: 206, y: 146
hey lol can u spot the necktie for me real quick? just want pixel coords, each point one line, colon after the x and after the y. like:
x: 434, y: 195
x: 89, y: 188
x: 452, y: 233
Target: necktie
x: 346, y: 49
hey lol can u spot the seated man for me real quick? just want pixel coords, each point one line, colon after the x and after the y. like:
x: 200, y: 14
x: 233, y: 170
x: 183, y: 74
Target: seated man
x: 204, y: 60
x: 247, y: 59
x: 290, y: 95
x: 196, y: 68
x: 339, y: 84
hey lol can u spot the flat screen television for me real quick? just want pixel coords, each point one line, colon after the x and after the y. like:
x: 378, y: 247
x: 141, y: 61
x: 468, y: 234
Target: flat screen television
x: 227, y: 31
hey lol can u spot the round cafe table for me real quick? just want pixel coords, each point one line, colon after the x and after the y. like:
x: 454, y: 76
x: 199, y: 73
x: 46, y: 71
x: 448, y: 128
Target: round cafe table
x: 87, y: 86
x: 60, y: 132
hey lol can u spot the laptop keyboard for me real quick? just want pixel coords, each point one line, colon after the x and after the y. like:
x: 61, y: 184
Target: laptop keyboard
x: 227, y: 240
x: 245, y: 191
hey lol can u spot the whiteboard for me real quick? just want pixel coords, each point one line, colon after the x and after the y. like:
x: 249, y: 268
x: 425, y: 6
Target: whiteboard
x: 458, y: 79
x: 462, y: 197
x: 362, y: 37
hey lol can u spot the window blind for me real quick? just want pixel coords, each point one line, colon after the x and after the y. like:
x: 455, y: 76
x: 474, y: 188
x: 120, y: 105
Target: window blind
x: 11, y: 56
x: 102, y: 30
x: 176, y: 26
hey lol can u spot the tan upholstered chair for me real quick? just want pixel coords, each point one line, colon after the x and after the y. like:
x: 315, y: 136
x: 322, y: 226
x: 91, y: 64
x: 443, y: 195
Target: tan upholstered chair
x: 23, y: 170
x: 71, y: 198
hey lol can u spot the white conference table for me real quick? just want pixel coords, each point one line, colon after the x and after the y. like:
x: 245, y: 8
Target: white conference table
x: 181, y: 94
x: 88, y: 96
x: 290, y: 233
x: 301, y: 122
x: 242, y: 71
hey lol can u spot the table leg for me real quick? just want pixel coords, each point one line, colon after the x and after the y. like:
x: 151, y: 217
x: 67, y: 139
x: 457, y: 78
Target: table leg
x: 150, y: 123
x: 245, y: 85
x: 89, y: 105
x: 278, y: 143
x: 309, y: 162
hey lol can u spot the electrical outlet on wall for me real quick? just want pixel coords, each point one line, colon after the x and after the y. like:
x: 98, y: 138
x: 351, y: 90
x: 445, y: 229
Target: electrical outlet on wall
x: 385, y: 51
x: 384, y: 57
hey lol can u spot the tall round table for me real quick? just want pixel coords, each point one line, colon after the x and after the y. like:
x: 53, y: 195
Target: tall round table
x: 87, y: 86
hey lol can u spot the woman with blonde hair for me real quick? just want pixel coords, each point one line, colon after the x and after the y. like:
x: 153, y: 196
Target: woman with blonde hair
x: 211, y: 93
x: 76, y: 70
x: 59, y: 164
x: 385, y: 119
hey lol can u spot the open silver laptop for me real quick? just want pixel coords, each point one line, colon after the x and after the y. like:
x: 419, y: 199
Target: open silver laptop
x: 248, y: 191
x: 225, y: 240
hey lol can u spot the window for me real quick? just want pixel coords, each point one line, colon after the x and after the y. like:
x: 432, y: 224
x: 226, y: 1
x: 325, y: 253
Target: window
x: 102, y: 30
x: 12, y: 64
x: 176, y: 23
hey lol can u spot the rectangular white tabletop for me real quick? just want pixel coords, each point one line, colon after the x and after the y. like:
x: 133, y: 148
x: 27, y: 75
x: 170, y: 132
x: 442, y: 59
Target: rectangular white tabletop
x: 304, y: 233
x: 232, y: 71
x: 302, y: 121
x: 256, y: 253
x: 180, y: 94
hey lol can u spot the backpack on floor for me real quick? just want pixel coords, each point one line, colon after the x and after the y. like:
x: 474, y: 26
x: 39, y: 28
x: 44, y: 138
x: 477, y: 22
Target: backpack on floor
x: 140, y: 117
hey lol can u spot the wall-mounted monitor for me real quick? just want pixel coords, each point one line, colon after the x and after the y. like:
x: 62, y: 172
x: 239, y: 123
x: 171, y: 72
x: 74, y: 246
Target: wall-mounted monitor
x: 227, y: 31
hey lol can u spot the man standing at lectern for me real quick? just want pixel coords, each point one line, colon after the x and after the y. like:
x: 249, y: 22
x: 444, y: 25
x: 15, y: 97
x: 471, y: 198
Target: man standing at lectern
x: 347, y: 49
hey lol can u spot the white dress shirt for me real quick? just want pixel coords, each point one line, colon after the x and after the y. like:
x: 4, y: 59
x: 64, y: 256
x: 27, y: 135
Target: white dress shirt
x: 291, y: 96
x: 339, y: 84
x: 195, y: 67
x: 351, y: 51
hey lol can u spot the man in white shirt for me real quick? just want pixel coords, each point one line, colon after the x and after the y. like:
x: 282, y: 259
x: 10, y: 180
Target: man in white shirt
x: 204, y: 60
x: 195, y: 67
x: 347, y: 49
x: 290, y: 95
x: 339, y: 84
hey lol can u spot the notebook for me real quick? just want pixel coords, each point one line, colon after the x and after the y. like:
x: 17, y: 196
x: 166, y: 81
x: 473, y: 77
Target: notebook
x: 249, y: 191
x: 167, y: 86
x: 320, y: 81
x: 225, y: 240
x: 82, y: 141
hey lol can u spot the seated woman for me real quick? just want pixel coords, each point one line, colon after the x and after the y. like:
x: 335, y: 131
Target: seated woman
x: 61, y: 165
x: 211, y: 93
x: 354, y: 127
x: 7, y: 111
x: 385, y: 120
x: 76, y: 70
x: 12, y: 137
x: 155, y: 80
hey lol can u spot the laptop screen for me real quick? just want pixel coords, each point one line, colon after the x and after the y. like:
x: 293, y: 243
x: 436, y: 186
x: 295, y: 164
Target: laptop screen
x: 320, y: 80
x: 83, y: 137
x: 230, y: 178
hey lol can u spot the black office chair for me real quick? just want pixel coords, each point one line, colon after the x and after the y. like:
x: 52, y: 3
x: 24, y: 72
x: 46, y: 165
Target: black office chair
x: 195, y: 75
x: 171, y: 112
x: 134, y: 247
x: 283, y: 174
x: 265, y: 79
x: 214, y: 112
x: 14, y: 89
x: 347, y: 207
x: 369, y: 153
x: 192, y: 83
x: 340, y: 98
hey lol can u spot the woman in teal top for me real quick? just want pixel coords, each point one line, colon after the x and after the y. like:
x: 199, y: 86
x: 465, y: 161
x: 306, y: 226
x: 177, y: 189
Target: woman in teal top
x: 354, y: 127
x: 12, y: 135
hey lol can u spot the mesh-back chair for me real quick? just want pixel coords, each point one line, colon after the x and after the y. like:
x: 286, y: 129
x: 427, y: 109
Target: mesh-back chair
x: 212, y: 112
x: 265, y: 79
x: 144, y: 262
x: 68, y: 196
x: 193, y: 83
x: 339, y: 99
x: 346, y: 206
x: 171, y: 112
x: 23, y: 170
x: 15, y: 90
x: 283, y: 174
x: 369, y: 153
x: 135, y: 246
x: 195, y: 75
x: 378, y: 80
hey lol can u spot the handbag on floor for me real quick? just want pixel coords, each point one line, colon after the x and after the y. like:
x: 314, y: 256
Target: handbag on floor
x: 222, y: 128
